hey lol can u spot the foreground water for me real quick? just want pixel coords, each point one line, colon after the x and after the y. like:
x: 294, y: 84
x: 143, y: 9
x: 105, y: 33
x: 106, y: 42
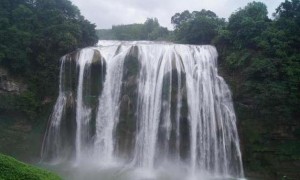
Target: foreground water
x: 143, y: 110
x: 90, y: 171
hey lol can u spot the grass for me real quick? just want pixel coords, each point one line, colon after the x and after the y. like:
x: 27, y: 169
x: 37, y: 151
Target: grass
x: 12, y: 169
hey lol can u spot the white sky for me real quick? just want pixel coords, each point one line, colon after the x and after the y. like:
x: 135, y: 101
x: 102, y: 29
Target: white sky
x: 105, y: 13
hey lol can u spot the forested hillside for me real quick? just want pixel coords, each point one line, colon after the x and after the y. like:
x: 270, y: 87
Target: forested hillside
x: 34, y: 34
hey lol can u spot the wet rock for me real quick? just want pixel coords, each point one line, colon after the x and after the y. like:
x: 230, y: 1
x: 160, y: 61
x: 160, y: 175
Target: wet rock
x: 9, y: 84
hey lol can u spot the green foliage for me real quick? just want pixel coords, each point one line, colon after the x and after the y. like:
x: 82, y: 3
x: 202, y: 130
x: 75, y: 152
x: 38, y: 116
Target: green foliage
x: 26, y: 103
x: 105, y: 34
x: 198, y: 27
x: 179, y: 18
x: 265, y: 54
x: 247, y: 24
x: 12, y: 169
x: 129, y: 32
x: 34, y: 34
x: 150, y: 30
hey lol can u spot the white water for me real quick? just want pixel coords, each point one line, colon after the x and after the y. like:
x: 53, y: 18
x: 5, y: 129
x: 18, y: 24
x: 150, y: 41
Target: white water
x: 52, y: 135
x: 108, y: 110
x: 185, y: 121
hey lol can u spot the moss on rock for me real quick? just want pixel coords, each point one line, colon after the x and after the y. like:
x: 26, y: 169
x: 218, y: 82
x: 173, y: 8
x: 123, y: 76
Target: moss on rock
x: 10, y: 168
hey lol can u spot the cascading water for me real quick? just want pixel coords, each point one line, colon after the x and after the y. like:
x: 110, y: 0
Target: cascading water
x: 142, y: 106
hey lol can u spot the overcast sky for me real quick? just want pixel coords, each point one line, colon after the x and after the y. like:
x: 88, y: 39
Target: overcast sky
x: 105, y: 13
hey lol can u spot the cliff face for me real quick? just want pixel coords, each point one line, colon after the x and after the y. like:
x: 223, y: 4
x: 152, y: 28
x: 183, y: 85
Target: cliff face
x: 21, y: 132
x: 270, y: 148
x: 270, y: 144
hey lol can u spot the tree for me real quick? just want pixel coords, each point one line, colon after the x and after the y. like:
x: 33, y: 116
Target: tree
x: 198, y: 27
x: 248, y: 23
x: 288, y: 15
x: 180, y: 18
x: 289, y: 9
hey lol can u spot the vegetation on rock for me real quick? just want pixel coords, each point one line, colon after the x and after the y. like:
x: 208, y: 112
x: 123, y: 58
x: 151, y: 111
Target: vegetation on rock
x: 12, y: 169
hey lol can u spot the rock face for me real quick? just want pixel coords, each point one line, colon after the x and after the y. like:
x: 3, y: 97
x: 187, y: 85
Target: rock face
x: 20, y: 134
x: 9, y: 84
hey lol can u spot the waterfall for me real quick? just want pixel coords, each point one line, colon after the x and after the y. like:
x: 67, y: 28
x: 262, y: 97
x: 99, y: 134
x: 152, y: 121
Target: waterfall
x: 144, y: 105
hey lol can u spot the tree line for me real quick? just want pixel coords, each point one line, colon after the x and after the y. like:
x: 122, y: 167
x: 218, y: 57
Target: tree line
x: 149, y: 30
